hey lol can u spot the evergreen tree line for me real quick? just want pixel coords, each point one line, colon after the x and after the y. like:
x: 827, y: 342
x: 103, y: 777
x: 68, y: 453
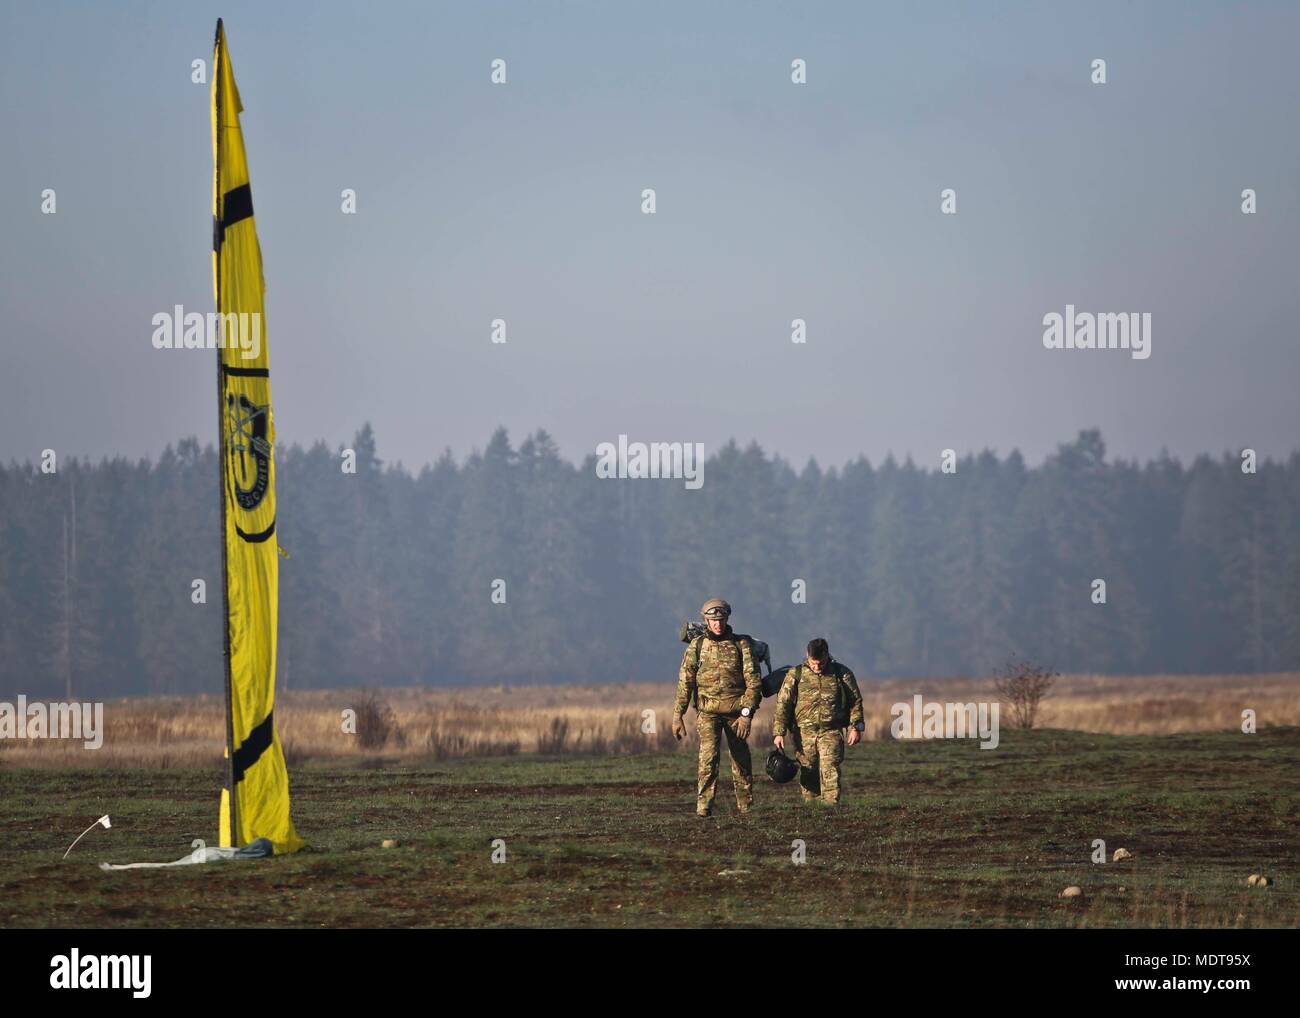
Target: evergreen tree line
x: 907, y: 571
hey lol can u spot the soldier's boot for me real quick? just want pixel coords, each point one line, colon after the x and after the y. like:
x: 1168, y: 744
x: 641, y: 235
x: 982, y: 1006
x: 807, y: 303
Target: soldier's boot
x: 704, y: 798
x: 744, y: 791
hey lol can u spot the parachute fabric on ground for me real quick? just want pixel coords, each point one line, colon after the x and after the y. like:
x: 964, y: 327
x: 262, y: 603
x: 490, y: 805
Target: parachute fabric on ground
x: 259, y: 849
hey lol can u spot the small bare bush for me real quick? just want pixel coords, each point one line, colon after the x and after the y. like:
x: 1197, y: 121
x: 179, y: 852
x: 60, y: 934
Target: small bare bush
x: 1023, y: 685
x: 377, y: 724
x: 554, y: 740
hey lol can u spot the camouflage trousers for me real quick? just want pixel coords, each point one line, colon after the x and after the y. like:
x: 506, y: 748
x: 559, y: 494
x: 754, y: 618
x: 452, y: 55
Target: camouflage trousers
x: 710, y: 726
x: 820, y: 754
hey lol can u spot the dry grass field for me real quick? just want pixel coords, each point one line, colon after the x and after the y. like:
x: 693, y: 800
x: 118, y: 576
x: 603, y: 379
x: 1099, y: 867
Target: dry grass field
x: 439, y: 724
x: 600, y: 823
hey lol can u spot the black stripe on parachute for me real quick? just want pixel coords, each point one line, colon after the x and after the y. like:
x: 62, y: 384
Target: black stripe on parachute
x: 257, y: 538
x: 236, y: 206
x: 252, y: 748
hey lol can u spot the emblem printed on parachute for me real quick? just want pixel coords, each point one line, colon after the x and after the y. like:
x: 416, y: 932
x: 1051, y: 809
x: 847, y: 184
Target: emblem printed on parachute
x: 247, y: 440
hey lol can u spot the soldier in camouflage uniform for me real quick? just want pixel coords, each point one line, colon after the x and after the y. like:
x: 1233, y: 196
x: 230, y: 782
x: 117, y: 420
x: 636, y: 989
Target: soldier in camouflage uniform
x: 821, y: 698
x: 719, y: 672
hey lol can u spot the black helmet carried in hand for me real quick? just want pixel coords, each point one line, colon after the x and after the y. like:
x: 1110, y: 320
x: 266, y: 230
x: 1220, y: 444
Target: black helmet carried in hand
x: 780, y: 768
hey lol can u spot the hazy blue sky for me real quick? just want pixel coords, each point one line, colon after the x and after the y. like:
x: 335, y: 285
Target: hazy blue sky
x: 775, y: 201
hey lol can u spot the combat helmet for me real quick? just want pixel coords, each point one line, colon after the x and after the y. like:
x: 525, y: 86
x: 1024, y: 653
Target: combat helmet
x: 780, y: 768
x: 715, y: 608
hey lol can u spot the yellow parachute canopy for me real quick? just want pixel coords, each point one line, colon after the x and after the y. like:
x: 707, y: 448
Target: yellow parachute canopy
x: 255, y: 766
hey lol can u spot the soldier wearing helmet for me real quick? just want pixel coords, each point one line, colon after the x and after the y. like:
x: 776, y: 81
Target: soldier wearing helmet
x: 719, y: 670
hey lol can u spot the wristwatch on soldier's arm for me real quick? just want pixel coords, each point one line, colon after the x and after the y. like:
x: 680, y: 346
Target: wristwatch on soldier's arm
x: 745, y: 712
x: 861, y: 727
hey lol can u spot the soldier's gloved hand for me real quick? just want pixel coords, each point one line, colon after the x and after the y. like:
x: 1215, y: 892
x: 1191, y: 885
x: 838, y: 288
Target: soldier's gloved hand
x: 679, y: 728
x: 742, y: 727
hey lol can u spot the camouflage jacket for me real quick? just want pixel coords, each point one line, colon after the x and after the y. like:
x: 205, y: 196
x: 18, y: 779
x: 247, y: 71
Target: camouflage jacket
x: 722, y: 671
x: 818, y: 702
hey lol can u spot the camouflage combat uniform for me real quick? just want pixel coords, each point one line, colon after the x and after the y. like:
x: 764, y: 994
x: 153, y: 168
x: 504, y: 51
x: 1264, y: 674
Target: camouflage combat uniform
x: 822, y: 707
x: 725, y: 680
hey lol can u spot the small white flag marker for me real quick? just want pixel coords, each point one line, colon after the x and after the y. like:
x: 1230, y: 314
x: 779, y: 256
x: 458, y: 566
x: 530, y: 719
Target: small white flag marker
x: 102, y: 822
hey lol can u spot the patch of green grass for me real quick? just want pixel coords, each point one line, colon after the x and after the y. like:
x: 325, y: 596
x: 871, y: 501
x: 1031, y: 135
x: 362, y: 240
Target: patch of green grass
x: 931, y: 834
